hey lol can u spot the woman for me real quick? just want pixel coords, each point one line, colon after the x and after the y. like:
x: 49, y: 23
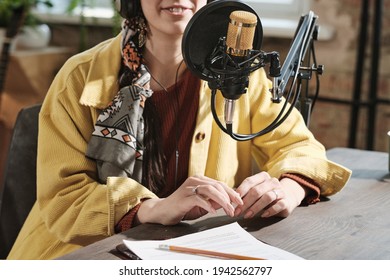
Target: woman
x: 127, y: 137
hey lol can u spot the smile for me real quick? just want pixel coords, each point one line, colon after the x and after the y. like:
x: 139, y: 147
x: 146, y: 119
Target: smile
x: 176, y: 10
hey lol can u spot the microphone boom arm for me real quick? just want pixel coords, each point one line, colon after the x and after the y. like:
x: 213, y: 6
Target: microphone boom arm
x: 306, y: 32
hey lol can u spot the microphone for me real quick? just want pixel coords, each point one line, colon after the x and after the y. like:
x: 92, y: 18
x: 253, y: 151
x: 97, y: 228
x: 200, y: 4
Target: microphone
x: 241, y: 33
x: 229, y: 51
x: 239, y: 44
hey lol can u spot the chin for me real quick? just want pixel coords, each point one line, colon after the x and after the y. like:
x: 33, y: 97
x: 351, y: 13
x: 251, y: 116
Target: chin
x: 179, y: 28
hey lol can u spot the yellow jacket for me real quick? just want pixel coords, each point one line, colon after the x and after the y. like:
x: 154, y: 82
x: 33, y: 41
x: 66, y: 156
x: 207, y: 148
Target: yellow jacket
x: 74, y: 210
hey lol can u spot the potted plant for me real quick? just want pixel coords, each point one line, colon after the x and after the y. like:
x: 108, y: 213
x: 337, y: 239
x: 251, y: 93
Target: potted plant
x: 38, y: 34
x: 7, y: 6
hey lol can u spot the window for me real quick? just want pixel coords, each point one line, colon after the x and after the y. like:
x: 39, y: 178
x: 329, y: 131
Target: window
x: 60, y: 6
x: 280, y: 9
x: 280, y: 17
x: 95, y: 11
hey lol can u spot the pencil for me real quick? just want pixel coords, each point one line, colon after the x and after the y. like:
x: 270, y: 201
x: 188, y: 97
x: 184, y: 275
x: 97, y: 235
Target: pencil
x: 205, y: 253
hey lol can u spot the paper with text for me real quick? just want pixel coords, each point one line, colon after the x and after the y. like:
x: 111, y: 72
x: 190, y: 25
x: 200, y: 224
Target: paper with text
x: 231, y: 238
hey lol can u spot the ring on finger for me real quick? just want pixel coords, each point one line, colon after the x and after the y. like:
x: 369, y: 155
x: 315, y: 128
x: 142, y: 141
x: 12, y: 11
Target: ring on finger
x: 276, y: 193
x: 195, y: 190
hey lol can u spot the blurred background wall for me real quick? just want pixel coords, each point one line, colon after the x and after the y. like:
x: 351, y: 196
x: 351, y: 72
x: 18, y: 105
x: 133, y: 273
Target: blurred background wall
x: 331, y: 121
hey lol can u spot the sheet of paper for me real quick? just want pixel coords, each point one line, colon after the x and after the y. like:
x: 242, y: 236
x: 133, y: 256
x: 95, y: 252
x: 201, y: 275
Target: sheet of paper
x: 231, y: 238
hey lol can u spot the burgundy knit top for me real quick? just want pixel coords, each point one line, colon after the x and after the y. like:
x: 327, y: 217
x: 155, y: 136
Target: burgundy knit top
x: 177, y: 111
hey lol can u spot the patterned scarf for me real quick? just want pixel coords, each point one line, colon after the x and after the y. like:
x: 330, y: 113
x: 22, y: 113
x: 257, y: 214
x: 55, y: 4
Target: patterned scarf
x: 117, y: 140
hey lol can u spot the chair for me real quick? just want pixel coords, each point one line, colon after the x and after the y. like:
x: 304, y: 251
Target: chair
x: 18, y: 192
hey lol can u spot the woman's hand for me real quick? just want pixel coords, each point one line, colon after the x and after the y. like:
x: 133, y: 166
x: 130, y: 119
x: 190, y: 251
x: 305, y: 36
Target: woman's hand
x: 269, y: 196
x: 196, y: 197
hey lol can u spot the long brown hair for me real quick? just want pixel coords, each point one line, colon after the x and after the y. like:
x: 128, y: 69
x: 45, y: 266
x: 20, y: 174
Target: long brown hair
x: 153, y: 165
x: 154, y: 161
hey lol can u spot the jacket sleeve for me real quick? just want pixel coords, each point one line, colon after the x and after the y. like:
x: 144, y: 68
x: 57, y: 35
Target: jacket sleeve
x: 291, y: 147
x: 73, y: 204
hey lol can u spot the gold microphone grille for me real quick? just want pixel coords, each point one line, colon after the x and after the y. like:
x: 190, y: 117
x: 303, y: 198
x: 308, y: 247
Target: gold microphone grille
x: 241, y: 32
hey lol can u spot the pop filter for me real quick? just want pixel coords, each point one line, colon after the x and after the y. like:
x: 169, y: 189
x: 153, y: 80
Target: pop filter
x: 204, y: 30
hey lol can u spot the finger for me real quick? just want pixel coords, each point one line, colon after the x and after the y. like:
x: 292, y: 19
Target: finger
x: 212, y: 192
x: 223, y: 187
x: 232, y: 195
x: 235, y: 196
x: 255, y: 197
x: 277, y: 208
x: 196, y: 200
x: 207, y: 187
x: 252, y: 181
x: 268, y: 200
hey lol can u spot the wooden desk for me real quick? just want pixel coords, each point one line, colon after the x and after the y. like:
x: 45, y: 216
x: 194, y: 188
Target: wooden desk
x: 353, y: 224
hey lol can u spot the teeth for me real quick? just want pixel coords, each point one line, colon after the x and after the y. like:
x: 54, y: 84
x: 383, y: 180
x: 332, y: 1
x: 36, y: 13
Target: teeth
x: 176, y: 10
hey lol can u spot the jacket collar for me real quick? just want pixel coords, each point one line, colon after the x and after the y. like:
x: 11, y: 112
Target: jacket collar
x: 101, y: 83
